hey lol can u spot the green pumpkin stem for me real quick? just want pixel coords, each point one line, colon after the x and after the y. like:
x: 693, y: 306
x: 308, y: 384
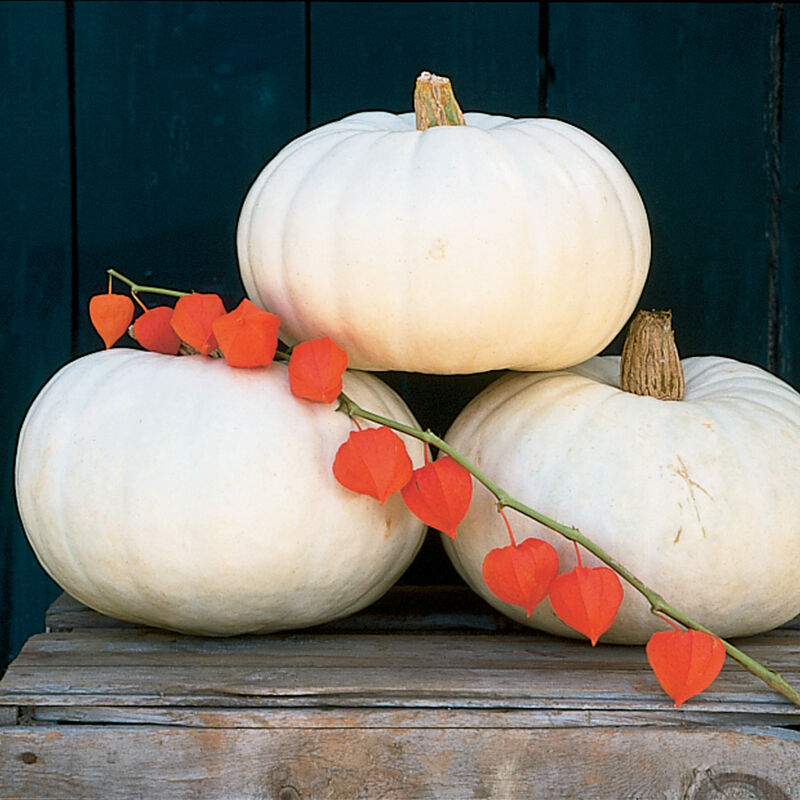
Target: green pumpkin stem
x: 650, y: 364
x: 434, y: 102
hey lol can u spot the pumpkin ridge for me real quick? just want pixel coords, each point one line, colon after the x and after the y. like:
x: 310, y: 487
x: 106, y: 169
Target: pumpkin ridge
x: 297, y: 292
x: 631, y: 240
x: 347, y: 304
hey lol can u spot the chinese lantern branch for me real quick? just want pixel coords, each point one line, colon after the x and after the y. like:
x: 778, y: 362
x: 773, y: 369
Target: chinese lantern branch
x: 658, y: 605
x: 504, y: 500
x: 136, y: 288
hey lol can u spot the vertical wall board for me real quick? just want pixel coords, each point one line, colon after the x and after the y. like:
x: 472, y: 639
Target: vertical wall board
x: 788, y: 274
x: 367, y: 56
x: 679, y: 92
x: 178, y: 107
x: 35, y: 244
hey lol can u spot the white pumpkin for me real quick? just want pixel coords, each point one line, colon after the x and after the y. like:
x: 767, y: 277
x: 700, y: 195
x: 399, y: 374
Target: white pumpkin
x: 503, y: 243
x: 699, y: 498
x: 187, y: 494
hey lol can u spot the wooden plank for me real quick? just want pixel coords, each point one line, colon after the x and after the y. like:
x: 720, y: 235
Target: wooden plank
x: 66, y: 614
x: 680, y: 92
x: 273, y: 717
x: 146, y: 649
x: 8, y: 715
x: 84, y: 761
x: 788, y: 199
x: 403, y: 608
x: 35, y: 251
x: 734, y: 692
x: 510, y: 672
x: 149, y: 647
x: 178, y: 106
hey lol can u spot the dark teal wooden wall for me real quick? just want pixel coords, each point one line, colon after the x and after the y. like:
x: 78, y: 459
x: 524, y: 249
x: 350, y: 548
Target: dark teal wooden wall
x: 131, y: 131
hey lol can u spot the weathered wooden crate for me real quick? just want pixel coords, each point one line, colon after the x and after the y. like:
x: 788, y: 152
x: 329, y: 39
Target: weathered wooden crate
x: 428, y: 694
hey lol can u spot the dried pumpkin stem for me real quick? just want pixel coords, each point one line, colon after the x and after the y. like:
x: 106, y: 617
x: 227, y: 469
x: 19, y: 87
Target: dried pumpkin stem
x: 434, y: 102
x: 650, y: 364
x: 657, y: 603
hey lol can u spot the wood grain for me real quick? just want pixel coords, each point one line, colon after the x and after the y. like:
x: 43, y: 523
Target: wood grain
x: 449, y: 712
x: 787, y: 199
x: 444, y: 650
x: 404, y: 608
x: 178, y: 107
x: 35, y: 255
x: 455, y: 40
x: 405, y: 764
x: 371, y: 668
x: 409, y: 717
x: 663, y: 86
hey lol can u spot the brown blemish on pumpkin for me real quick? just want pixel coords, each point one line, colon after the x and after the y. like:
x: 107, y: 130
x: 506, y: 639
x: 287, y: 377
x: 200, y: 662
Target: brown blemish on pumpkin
x: 683, y: 472
x: 388, y: 532
x: 437, y: 250
x: 678, y: 535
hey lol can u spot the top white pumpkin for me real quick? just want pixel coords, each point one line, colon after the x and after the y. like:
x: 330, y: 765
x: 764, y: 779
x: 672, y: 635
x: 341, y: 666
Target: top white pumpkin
x: 504, y: 243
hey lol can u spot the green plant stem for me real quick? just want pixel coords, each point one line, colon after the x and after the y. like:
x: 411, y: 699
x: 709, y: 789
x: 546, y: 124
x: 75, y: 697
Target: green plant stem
x: 504, y: 500
x: 136, y: 288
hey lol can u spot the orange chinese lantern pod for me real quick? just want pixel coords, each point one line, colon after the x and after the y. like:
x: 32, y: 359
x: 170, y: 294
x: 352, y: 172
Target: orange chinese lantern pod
x: 153, y: 331
x: 193, y: 317
x: 521, y: 574
x: 373, y: 461
x: 439, y: 494
x: 247, y: 336
x: 315, y: 370
x: 587, y: 599
x: 685, y: 662
x: 111, y: 314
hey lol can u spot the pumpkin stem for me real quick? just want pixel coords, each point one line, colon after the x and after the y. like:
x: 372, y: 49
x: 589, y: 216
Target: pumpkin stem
x: 434, y: 102
x: 650, y: 364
